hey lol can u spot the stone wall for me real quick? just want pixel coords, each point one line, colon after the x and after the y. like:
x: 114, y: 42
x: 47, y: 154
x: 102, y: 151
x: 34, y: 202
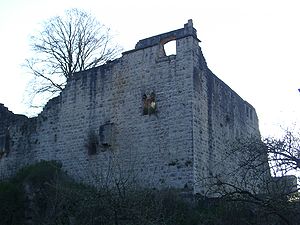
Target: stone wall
x: 161, y: 121
x: 14, y: 135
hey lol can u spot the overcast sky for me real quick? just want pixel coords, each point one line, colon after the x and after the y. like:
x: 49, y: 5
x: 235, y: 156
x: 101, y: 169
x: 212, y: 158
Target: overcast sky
x: 252, y: 45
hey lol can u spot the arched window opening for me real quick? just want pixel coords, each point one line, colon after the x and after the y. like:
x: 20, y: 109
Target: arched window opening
x: 170, y: 48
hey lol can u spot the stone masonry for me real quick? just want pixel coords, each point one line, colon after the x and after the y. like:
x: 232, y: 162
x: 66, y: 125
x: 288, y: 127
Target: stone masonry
x: 162, y: 121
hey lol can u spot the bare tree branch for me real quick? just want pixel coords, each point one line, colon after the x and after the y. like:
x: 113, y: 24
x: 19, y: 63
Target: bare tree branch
x: 67, y: 44
x: 265, y: 175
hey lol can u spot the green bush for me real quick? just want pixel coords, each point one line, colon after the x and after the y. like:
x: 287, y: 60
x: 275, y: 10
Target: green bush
x: 38, y: 173
x: 11, y: 204
x: 55, y: 199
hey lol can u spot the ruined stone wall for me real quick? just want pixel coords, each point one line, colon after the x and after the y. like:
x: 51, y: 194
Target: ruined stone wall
x: 159, y: 120
x: 155, y: 149
x: 220, y: 117
x: 14, y: 134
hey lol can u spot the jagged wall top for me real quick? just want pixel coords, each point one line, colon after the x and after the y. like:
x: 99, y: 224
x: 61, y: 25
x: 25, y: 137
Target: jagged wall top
x: 8, y: 118
x: 188, y: 30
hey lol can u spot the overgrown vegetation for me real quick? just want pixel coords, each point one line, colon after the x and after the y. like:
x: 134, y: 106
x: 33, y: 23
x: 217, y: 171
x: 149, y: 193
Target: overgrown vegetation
x: 265, y: 176
x: 11, y: 204
x: 43, y: 194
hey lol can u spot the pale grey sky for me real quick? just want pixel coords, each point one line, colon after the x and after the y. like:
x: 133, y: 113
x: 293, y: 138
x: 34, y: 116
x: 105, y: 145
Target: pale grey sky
x: 252, y: 45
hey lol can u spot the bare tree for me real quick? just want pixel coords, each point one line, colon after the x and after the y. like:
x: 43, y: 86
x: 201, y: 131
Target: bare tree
x: 284, y: 153
x: 67, y: 44
x: 265, y: 176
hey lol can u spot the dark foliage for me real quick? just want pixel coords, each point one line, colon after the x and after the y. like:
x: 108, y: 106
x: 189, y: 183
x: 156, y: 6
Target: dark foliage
x: 11, y: 204
x: 44, y: 194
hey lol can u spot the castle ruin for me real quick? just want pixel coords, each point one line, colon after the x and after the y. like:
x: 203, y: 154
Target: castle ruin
x: 162, y: 120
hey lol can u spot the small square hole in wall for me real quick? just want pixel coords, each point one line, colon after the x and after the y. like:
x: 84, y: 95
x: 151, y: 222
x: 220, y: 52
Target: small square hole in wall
x: 149, y: 104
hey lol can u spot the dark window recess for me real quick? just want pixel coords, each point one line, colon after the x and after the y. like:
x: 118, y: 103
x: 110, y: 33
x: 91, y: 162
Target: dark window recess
x: 92, y: 142
x: 105, y: 133
x: 149, y: 104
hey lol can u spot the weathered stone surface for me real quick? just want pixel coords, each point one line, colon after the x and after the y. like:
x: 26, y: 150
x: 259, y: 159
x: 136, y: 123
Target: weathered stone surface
x: 180, y: 139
